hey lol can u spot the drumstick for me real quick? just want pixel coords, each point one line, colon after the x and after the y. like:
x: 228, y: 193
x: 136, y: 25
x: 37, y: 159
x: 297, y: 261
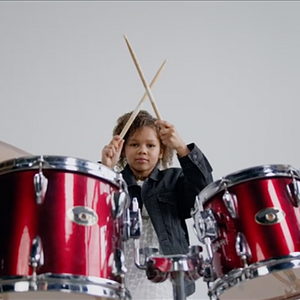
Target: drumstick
x: 138, y: 108
x: 148, y: 90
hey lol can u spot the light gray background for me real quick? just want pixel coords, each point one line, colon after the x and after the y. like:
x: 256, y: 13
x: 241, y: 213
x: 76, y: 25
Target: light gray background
x: 231, y: 83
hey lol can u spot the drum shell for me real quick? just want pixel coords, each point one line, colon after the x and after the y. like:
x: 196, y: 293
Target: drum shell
x: 68, y: 247
x: 265, y: 241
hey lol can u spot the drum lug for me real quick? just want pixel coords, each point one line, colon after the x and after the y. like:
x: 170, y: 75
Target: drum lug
x: 202, y: 267
x: 209, y: 275
x: 121, y: 199
x: 119, y: 271
x: 119, y: 267
x: 119, y: 203
x: 36, y: 258
x: 206, y: 227
x: 135, y: 220
x: 40, y: 186
x: 132, y: 225
x: 125, y: 231
x: 294, y: 190
x: 197, y: 261
x: 40, y: 182
x: 230, y: 201
x: 242, y: 248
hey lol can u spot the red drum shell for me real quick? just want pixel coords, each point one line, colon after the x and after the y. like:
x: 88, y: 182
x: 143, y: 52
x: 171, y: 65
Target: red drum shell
x: 255, y: 189
x: 68, y: 247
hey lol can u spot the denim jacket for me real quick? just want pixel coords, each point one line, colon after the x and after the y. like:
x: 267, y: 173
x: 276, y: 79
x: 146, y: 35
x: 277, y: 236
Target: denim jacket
x: 169, y: 195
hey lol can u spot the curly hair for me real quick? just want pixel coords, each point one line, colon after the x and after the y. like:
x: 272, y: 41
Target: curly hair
x: 143, y: 119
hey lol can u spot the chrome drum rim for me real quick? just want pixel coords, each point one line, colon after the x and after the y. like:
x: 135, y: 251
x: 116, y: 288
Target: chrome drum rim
x: 65, y: 283
x: 60, y: 163
x: 239, y: 276
x: 258, y: 172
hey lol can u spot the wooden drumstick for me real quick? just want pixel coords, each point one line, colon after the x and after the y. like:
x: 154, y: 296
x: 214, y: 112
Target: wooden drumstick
x: 138, y: 108
x: 148, y: 90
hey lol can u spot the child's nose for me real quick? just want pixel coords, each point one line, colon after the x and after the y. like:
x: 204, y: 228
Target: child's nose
x: 142, y: 149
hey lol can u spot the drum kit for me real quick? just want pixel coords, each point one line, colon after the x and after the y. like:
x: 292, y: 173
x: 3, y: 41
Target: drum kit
x: 64, y: 222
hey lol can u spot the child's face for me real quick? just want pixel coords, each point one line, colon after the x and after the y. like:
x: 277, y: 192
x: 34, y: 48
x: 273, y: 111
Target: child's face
x: 142, y: 151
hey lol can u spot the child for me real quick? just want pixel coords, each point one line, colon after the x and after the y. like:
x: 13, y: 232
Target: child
x: 165, y: 195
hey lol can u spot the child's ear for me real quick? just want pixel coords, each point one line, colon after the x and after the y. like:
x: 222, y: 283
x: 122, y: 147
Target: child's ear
x: 161, y: 154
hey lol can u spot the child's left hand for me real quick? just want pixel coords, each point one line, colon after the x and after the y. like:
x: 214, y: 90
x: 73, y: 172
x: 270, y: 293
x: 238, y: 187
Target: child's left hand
x: 171, y: 138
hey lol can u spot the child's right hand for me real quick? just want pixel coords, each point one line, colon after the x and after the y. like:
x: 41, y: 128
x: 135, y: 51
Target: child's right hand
x: 111, y: 152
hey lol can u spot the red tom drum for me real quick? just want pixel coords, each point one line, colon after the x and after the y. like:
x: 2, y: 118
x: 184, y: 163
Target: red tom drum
x: 61, y: 229
x: 250, y: 223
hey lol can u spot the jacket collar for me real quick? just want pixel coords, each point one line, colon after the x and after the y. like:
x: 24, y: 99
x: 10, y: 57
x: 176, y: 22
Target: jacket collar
x: 130, y: 179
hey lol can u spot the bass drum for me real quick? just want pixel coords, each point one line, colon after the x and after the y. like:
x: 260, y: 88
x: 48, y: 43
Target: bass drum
x: 61, y: 222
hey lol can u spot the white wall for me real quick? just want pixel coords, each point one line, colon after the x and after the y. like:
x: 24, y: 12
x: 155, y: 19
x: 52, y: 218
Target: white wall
x: 231, y: 83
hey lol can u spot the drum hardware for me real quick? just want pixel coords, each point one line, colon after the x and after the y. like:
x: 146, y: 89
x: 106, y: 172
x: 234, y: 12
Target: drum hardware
x: 142, y: 254
x: 40, y: 181
x: 82, y: 215
x: 206, y: 230
x: 132, y: 225
x: 125, y: 229
x: 270, y: 216
x: 206, y: 226
x: 177, y: 267
x: 36, y: 260
x: 121, y: 200
x: 135, y: 220
x: 230, y: 201
x: 208, y: 273
x: 77, y: 287
x: 242, y: 249
x: 120, y: 270
x: 294, y: 188
x: 132, y: 228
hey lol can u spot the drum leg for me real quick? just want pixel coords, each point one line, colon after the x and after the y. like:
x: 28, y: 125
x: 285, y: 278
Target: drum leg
x: 177, y: 279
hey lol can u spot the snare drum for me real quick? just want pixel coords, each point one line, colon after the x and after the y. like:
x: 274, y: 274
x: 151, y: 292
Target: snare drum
x: 61, y: 222
x: 250, y: 223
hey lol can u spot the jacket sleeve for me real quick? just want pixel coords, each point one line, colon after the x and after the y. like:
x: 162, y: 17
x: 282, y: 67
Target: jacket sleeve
x: 195, y: 176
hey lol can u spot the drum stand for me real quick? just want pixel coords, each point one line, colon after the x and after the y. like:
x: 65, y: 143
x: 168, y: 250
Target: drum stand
x: 179, y: 268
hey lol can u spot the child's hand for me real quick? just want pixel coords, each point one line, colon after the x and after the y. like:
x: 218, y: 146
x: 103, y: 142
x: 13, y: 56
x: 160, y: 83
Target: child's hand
x: 171, y: 138
x: 111, y: 152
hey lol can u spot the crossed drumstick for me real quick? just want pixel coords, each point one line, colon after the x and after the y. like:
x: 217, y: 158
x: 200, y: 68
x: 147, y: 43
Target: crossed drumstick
x: 147, y: 88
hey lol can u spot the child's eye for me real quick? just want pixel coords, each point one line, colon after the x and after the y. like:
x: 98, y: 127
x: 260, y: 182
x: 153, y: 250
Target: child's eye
x: 133, y: 144
x: 151, y: 146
